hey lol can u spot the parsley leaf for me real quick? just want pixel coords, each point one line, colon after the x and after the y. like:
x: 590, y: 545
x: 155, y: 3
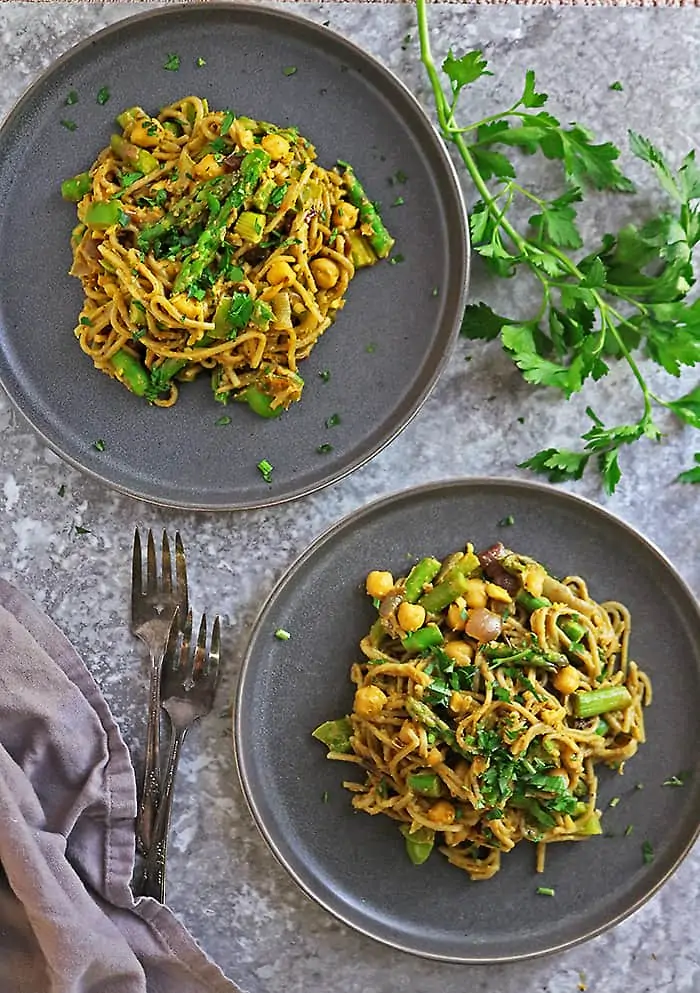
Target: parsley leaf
x: 691, y: 475
x: 172, y: 63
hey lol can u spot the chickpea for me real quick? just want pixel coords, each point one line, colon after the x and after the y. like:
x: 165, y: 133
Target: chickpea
x: 566, y: 680
x: 442, y: 812
x: 276, y: 146
x: 369, y: 701
x: 410, y: 616
x: 534, y: 580
x: 496, y: 592
x: 378, y: 584
x: 208, y: 167
x: 475, y: 593
x: 344, y: 216
x: 456, y: 612
x: 187, y: 306
x: 325, y: 272
x: 146, y: 133
x: 279, y: 272
x: 462, y: 770
x: 459, y: 651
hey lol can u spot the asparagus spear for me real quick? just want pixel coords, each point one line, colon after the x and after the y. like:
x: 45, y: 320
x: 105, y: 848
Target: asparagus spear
x: 252, y: 168
x: 379, y: 238
x: 187, y: 210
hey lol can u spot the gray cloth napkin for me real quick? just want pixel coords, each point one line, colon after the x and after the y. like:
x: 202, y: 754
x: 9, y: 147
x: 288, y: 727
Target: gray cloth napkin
x: 68, y: 921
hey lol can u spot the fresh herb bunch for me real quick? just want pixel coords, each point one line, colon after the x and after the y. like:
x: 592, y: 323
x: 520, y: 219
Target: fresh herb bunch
x: 627, y: 295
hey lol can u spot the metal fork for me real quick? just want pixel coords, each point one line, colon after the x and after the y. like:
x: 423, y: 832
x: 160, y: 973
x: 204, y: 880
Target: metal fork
x: 189, y: 682
x: 153, y: 606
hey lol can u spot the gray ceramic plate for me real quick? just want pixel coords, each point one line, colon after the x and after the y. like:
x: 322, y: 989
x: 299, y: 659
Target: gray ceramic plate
x: 387, y: 347
x: 354, y: 865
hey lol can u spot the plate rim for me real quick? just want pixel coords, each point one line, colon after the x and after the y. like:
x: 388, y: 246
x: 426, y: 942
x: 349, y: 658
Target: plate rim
x: 348, y: 521
x: 459, y: 219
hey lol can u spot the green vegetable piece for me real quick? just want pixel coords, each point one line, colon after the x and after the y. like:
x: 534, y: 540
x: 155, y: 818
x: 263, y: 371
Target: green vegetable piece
x: 250, y: 226
x: 425, y: 783
x: 232, y: 315
x: 593, y: 702
x: 103, y: 214
x: 260, y: 403
x: 335, y: 735
x: 130, y: 116
x: 187, y: 211
x: 139, y: 158
x: 361, y: 251
x: 380, y: 239
x: 530, y: 602
x: 589, y: 826
x: 419, y: 844
x: 424, y: 638
x: 103, y: 95
x: 131, y: 372
x: 572, y: 629
x: 423, y: 572
x: 424, y: 715
x: 74, y: 189
x: 444, y: 593
x: 544, y: 891
x: 282, y: 635
x: 602, y: 728
x: 263, y: 194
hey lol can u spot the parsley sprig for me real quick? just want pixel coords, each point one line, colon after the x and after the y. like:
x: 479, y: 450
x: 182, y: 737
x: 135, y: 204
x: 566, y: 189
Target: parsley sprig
x: 622, y: 297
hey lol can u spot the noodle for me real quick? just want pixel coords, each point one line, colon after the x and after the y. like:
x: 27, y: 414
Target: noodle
x: 487, y: 695
x: 209, y: 241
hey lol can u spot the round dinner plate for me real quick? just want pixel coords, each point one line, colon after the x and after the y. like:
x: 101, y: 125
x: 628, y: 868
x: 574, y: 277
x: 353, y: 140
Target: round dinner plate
x: 385, y: 350
x: 355, y: 865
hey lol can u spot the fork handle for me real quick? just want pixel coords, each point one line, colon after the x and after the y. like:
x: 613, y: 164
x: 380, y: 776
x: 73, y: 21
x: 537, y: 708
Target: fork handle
x: 150, y: 793
x: 153, y: 877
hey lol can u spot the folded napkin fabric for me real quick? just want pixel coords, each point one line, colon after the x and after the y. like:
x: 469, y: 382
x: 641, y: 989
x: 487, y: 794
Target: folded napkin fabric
x: 68, y: 920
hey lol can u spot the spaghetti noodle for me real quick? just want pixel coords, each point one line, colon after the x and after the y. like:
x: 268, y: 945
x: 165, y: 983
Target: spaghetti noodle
x: 210, y: 241
x: 488, y: 694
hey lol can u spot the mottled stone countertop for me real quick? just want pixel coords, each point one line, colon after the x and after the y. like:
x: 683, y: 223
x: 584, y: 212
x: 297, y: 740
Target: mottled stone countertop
x: 224, y: 883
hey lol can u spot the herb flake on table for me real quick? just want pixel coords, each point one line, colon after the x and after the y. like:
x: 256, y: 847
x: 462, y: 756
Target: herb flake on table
x: 103, y: 95
x: 647, y: 852
x: 324, y: 449
x: 71, y: 99
x: 265, y: 469
x: 69, y: 125
x: 282, y: 635
x: 172, y: 63
x: 603, y: 303
x: 289, y: 70
x: 544, y: 891
x: 333, y: 421
x: 200, y: 63
x: 678, y: 780
x: 617, y: 86
x: 100, y: 445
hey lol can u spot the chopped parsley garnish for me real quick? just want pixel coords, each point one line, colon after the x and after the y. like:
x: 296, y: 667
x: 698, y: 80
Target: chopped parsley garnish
x: 69, y: 125
x: 103, y: 95
x: 280, y: 633
x: 100, y: 445
x: 81, y: 530
x: 289, y: 70
x: 128, y: 179
x: 324, y: 449
x: 628, y: 830
x: 265, y: 468
x: 400, y: 176
x: 614, y: 802
x: 396, y: 259
x: 678, y: 780
x: 226, y: 122
x: 647, y: 852
x: 435, y: 290
x: 222, y: 421
x: 172, y: 63
x: 324, y: 796
x: 371, y: 348
x: 86, y: 320
x: 617, y: 85
x: 277, y: 196
x: 333, y: 421
x: 71, y: 99
x: 200, y: 63
x: 62, y: 490
x: 398, y: 202
x: 324, y: 375
x: 506, y: 521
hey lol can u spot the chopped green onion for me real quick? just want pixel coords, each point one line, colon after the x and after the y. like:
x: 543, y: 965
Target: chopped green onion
x: 265, y: 469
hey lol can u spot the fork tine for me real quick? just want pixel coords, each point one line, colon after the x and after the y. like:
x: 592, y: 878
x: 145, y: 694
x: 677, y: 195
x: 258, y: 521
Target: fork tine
x: 181, y: 573
x: 151, y: 565
x: 166, y: 568
x: 215, y: 647
x: 170, y: 654
x: 186, y: 639
x: 200, y: 653
x: 136, y: 574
